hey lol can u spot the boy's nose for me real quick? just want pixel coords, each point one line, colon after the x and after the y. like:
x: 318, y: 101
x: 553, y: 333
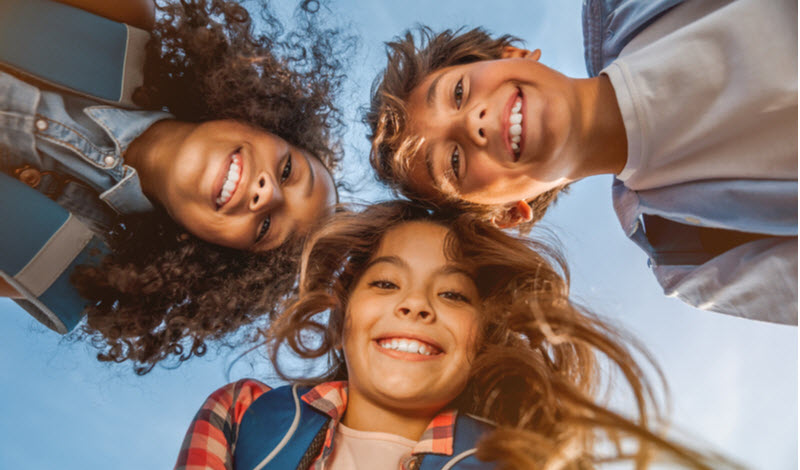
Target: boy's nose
x: 476, y: 126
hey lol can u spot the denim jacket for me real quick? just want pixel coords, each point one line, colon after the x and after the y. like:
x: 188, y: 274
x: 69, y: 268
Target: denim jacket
x: 71, y: 149
x: 756, y: 220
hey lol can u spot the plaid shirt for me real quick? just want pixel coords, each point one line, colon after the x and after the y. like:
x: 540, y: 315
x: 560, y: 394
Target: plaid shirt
x: 211, y: 439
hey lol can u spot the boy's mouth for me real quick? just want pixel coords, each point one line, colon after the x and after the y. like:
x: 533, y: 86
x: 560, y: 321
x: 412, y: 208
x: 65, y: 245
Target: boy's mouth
x: 513, y: 126
x: 228, y: 180
x: 408, y: 345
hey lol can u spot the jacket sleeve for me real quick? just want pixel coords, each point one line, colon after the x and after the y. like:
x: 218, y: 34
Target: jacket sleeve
x: 211, y: 438
x: 756, y: 280
x: 43, y: 244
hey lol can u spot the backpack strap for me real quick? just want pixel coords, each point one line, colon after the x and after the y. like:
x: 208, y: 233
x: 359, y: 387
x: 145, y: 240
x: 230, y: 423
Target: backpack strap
x: 42, y: 244
x: 468, y: 430
x: 278, y: 430
x: 72, y: 49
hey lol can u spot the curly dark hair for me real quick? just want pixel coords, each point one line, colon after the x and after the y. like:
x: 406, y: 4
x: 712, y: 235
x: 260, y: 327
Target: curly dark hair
x: 410, y: 58
x: 163, y: 293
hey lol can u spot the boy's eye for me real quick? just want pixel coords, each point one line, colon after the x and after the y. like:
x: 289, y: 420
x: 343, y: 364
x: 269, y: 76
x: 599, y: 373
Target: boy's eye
x: 456, y: 296
x: 455, y: 161
x: 381, y: 284
x: 264, y: 228
x: 458, y: 93
x: 287, y: 169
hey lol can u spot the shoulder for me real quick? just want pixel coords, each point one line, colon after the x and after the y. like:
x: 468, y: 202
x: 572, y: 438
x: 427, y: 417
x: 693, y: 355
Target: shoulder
x: 235, y: 398
x: 213, y: 433
x: 138, y: 13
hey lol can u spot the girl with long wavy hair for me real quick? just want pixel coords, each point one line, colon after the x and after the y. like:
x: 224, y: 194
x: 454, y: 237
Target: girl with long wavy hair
x: 449, y: 344
x: 204, y: 194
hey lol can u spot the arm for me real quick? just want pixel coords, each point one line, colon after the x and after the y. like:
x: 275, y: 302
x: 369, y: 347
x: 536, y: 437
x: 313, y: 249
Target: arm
x: 756, y: 280
x: 138, y: 13
x: 212, y: 435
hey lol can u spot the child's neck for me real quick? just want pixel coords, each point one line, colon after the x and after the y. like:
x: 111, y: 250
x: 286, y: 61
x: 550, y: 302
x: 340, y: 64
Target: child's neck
x: 600, y: 132
x: 363, y: 415
x: 151, y: 152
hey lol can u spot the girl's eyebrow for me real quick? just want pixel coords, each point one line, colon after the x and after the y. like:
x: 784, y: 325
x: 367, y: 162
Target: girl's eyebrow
x: 395, y: 260
x: 455, y: 269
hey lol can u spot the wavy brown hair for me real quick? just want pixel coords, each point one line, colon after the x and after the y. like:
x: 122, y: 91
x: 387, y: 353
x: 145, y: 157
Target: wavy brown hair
x: 163, y: 293
x: 540, y: 365
x: 410, y: 59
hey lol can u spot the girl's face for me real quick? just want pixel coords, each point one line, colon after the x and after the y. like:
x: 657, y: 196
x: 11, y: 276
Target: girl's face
x: 241, y: 187
x: 411, y: 323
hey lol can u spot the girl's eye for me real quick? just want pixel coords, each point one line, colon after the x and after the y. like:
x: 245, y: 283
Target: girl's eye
x: 455, y: 160
x: 380, y: 284
x: 264, y: 228
x: 456, y: 296
x: 458, y: 93
x: 287, y: 169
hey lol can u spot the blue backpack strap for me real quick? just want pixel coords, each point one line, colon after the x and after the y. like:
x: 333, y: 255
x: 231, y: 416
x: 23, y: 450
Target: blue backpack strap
x: 277, y: 430
x: 72, y: 49
x: 468, y: 431
x: 42, y: 244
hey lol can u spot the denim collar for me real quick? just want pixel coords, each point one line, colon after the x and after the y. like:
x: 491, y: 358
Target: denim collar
x: 123, y: 126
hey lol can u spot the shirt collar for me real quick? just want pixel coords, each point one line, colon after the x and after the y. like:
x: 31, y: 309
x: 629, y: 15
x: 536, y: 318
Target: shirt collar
x: 123, y: 126
x: 331, y: 398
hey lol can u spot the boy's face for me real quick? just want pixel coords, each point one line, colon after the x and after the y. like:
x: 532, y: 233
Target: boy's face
x: 494, y: 131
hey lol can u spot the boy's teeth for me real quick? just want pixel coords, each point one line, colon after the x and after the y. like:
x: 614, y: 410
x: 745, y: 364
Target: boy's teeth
x: 407, y: 345
x: 515, y: 129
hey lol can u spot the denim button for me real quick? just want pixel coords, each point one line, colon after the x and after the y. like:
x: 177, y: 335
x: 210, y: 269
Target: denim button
x: 109, y: 161
x: 30, y: 176
x: 41, y: 124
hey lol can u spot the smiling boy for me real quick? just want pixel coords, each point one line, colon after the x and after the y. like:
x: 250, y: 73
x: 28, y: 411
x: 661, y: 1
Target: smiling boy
x: 692, y: 106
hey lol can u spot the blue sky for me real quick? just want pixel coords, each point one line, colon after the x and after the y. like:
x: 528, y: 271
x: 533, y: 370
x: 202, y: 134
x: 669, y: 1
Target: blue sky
x: 733, y: 382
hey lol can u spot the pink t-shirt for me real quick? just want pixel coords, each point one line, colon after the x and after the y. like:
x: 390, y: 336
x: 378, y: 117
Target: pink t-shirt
x: 361, y: 450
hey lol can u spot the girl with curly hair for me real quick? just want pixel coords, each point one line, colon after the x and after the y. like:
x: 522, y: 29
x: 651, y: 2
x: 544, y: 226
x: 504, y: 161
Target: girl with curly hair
x: 204, y: 192
x: 449, y: 344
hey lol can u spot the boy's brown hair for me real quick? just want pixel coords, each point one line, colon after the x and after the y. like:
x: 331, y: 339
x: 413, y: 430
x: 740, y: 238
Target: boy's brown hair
x: 409, y: 63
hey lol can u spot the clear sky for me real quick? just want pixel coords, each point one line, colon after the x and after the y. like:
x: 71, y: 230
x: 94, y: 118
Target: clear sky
x: 733, y: 381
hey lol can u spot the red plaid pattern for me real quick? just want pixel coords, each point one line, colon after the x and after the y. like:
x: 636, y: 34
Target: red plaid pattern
x: 211, y: 438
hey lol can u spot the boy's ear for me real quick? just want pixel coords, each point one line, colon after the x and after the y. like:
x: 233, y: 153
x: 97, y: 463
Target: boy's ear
x: 512, y: 216
x: 512, y: 52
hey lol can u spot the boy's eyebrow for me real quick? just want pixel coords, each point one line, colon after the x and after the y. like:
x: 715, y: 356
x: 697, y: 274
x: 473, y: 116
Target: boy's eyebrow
x: 431, y: 96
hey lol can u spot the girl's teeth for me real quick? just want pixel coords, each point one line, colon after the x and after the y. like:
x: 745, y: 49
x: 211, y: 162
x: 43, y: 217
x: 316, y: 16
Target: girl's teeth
x: 231, y: 180
x: 516, y: 129
x: 407, y: 345
x: 515, y: 118
x: 516, y: 139
x: 517, y: 106
x: 514, y: 146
